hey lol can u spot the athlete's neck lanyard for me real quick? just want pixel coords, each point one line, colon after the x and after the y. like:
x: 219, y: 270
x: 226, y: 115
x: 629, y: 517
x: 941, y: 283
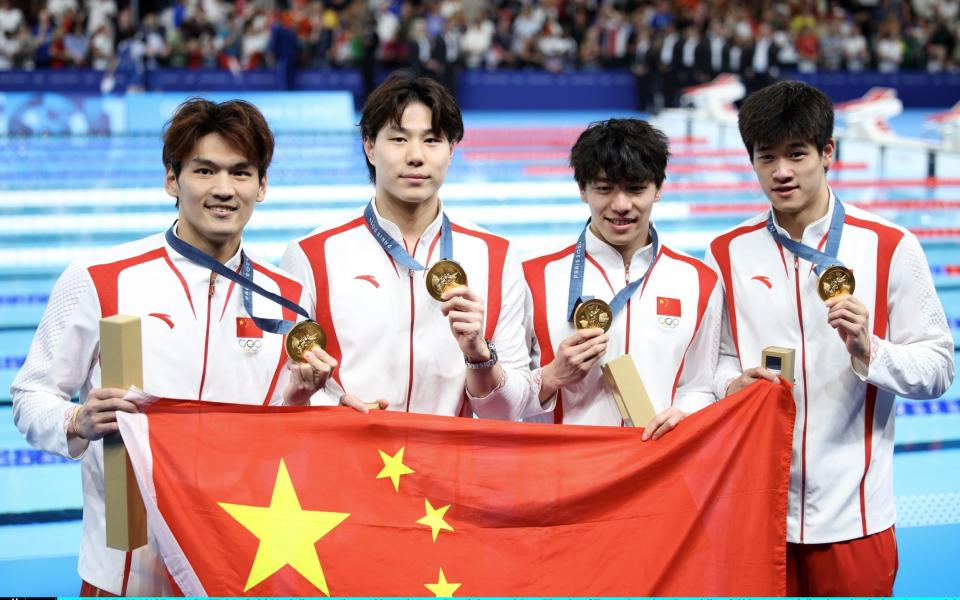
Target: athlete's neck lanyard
x: 396, y: 250
x: 820, y: 260
x: 574, y: 295
x: 244, y: 279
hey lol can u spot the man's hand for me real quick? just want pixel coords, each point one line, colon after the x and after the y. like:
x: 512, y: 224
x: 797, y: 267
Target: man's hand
x: 851, y: 319
x: 464, y: 309
x: 662, y: 423
x: 98, y: 414
x: 306, y: 378
x: 360, y: 406
x: 749, y: 376
x: 575, y: 356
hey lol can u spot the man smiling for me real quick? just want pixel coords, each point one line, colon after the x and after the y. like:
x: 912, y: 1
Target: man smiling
x: 665, y: 305
x: 376, y: 282
x: 883, y: 335
x: 200, y: 333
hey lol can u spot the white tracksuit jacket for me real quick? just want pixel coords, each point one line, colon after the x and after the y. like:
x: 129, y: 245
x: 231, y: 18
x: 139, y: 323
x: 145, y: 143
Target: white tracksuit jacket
x: 675, y: 356
x: 387, y: 332
x: 841, y: 476
x: 190, y: 351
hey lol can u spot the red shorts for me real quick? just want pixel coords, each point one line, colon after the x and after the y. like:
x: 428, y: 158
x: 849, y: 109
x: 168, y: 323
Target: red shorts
x: 864, y: 566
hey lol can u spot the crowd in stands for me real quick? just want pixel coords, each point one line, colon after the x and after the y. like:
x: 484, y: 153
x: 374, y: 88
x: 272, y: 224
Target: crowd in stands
x: 668, y: 44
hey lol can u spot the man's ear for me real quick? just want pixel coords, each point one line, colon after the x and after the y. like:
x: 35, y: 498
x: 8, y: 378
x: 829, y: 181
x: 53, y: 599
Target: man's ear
x: 262, y: 192
x: 828, y: 150
x: 368, y: 150
x: 171, y: 184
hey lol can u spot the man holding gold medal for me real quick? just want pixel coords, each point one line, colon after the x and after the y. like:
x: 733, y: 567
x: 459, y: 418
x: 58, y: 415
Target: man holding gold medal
x: 851, y: 295
x: 621, y: 291
x: 205, y: 335
x: 421, y: 313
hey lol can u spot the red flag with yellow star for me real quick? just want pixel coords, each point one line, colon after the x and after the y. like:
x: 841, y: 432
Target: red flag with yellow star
x: 251, y: 500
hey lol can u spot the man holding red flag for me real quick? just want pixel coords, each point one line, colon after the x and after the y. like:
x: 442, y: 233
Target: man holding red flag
x: 665, y: 304
x: 203, y: 335
x: 422, y: 312
x: 852, y: 295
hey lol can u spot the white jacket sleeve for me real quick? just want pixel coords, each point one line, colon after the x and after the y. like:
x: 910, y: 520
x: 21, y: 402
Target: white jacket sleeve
x: 509, y: 400
x: 533, y: 407
x: 728, y: 360
x: 295, y: 262
x: 695, y: 388
x: 916, y: 359
x: 62, y: 356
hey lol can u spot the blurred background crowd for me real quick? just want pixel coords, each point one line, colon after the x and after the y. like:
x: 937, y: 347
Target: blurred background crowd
x: 667, y: 44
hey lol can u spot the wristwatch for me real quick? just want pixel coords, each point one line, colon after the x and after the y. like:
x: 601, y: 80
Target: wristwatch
x: 485, y: 364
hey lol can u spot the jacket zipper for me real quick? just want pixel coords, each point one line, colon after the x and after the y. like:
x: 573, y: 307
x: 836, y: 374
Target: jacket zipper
x: 626, y: 350
x: 803, y: 369
x: 206, y: 337
x: 412, y: 315
x: 410, y: 373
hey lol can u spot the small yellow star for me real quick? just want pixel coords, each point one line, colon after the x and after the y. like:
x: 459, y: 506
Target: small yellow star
x: 287, y: 533
x: 434, y: 518
x: 442, y: 588
x: 393, y: 467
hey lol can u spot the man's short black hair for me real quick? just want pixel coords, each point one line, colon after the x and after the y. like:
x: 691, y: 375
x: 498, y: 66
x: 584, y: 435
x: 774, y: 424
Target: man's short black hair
x: 786, y: 110
x: 385, y: 106
x: 620, y: 150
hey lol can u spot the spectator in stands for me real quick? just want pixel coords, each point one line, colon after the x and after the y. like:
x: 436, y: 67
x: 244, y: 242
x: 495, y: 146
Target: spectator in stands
x: 555, y: 45
x: 808, y: 49
x: 718, y: 48
x: 101, y: 47
x: 500, y: 53
x: 831, y: 47
x: 476, y: 41
x: 856, y: 55
x: 889, y: 50
x: 76, y: 45
x: 760, y: 65
x: 11, y: 18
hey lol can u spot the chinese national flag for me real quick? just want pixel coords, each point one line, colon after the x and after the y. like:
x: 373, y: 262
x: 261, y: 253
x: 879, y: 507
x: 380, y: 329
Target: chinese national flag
x: 668, y: 307
x: 246, y: 328
x: 250, y: 500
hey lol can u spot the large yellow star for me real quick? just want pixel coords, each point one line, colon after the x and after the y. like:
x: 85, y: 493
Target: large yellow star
x: 393, y: 467
x: 287, y: 533
x: 442, y: 588
x: 434, y: 518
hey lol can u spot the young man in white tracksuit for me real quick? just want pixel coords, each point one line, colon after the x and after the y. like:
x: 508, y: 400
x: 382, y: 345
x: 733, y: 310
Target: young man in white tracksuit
x: 366, y: 278
x: 666, y: 304
x: 199, y: 341
x: 854, y: 351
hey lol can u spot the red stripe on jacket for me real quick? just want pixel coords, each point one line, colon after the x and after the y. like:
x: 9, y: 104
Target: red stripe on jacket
x: 888, y: 238
x: 314, y: 248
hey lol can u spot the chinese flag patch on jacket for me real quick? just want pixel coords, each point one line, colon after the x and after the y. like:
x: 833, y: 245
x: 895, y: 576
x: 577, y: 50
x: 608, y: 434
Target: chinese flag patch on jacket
x: 246, y: 328
x: 668, y: 307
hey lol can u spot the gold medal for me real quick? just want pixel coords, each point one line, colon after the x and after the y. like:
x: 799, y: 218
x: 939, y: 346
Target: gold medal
x: 304, y: 336
x: 835, y: 281
x: 442, y: 276
x: 593, y: 313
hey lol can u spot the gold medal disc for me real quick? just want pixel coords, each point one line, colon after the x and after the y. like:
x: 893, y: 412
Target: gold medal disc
x: 442, y: 276
x: 835, y: 281
x: 304, y: 336
x: 593, y: 313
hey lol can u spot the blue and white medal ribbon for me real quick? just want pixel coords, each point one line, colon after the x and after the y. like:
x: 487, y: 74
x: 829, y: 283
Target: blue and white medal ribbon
x: 578, y: 267
x: 244, y: 279
x: 820, y: 260
x: 396, y: 250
